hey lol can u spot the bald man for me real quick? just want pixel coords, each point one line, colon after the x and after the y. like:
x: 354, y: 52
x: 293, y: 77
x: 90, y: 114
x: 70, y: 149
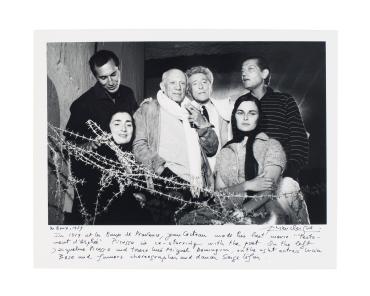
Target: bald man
x: 173, y: 139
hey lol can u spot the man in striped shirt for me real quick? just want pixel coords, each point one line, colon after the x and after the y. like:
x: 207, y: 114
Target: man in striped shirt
x: 281, y: 117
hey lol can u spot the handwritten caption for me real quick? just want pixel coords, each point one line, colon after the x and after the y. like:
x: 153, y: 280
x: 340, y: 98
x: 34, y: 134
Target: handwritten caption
x: 79, y: 243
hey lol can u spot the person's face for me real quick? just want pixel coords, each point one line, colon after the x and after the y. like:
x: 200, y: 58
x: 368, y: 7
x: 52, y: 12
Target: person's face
x: 199, y: 87
x: 252, y: 75
x: 247, y: 116
x: 108, y: 76
x: 174, y: 85
x: 121, y: 127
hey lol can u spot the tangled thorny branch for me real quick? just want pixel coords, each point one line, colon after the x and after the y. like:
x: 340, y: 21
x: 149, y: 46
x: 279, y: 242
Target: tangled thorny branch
x: 127, y: 172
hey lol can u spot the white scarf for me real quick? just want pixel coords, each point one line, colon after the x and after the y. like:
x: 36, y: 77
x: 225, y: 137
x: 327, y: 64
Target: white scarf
x: 191, y: 137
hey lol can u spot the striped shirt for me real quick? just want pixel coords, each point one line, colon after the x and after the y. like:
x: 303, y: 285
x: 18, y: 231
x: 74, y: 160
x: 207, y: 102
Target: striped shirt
x: 283, y: 122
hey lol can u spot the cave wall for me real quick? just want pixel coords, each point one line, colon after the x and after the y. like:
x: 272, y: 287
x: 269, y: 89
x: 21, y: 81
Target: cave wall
x: 68, y: 76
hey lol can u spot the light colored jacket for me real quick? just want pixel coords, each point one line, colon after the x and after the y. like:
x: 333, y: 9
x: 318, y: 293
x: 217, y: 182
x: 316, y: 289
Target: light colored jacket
x: 224, y: 108
x: 224, y: 131
x: 231, y: 159
x: 147, y: 139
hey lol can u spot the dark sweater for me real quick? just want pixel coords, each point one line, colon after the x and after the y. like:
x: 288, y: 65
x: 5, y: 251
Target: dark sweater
x: 97, y: 104
x: 283, y: 122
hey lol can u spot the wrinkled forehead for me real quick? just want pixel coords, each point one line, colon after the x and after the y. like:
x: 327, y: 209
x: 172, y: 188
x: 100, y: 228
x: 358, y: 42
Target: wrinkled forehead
x: 175, y: 75
x: 198, y: 77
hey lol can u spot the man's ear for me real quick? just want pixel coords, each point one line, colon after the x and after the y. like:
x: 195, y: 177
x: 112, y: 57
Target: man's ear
x: 161, y: 85
x: 265, y: 73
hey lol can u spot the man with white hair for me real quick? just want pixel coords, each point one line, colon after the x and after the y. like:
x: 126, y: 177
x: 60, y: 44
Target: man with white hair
x: 173, y: 138
x: 217, y: 112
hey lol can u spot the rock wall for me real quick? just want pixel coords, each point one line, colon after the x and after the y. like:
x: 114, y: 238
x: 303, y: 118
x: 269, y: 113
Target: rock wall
x: 68, y: 76
x: 69, y: 73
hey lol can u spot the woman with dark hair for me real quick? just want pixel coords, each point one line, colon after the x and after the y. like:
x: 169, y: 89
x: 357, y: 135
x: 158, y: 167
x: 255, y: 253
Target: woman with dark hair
x: 125, y: 206
x: 252, y: 164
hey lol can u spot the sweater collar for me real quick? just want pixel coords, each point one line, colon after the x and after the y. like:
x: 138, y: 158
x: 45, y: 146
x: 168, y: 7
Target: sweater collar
x: 268, y: 92
x: 101, y: 93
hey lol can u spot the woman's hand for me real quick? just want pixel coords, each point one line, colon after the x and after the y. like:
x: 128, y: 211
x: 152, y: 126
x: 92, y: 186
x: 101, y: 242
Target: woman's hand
x: 260, y: 183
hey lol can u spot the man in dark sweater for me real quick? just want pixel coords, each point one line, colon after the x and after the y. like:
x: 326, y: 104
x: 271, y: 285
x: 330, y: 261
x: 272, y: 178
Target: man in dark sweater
x: 97, y: 104
x: 102, y: 99
x: 281, y: 117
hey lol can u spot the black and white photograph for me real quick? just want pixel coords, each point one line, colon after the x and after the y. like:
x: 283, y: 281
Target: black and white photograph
x: 186, y: 133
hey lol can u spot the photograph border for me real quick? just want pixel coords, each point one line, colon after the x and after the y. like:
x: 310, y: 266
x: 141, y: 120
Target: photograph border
x: 41, y: 38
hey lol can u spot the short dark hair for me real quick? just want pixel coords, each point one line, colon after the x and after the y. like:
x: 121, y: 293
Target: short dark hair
x: 102, y: 57
x: 263, y: 64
